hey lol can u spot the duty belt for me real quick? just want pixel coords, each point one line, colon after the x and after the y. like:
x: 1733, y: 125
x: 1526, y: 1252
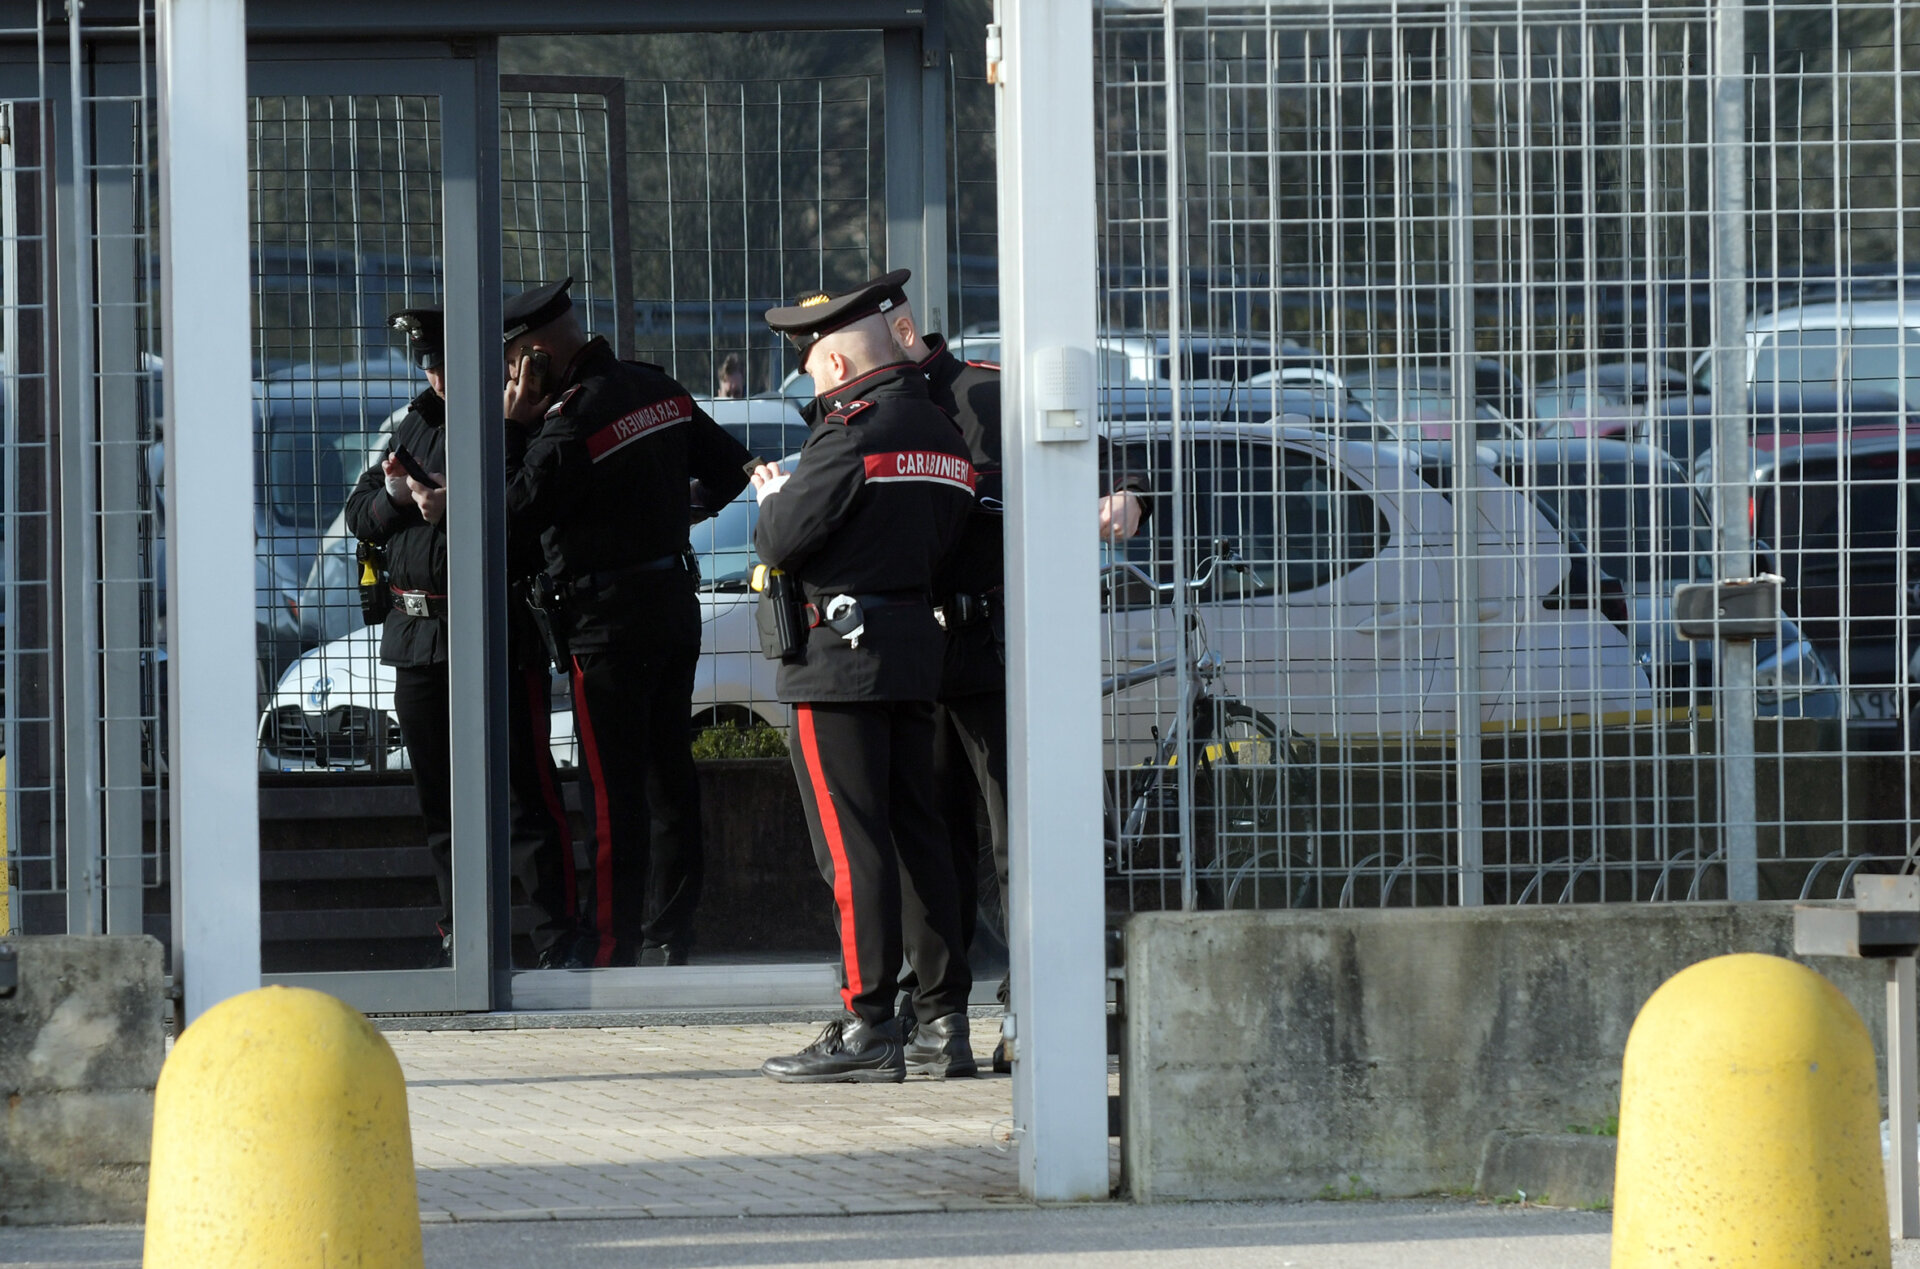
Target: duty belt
x: 962, y: 609
x: 816, y: 609
x: 419, y: 603
x: 589, y: 583
x: 893, y: 599
x: 846, y: 615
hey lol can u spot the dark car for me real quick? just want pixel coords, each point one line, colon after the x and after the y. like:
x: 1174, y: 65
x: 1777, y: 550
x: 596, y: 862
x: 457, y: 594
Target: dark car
x: 1234, y: 403
x: 1683, y: 427
x: 1225, y: 359
x: 1415, y: 403
x: 1841, y: 514
x: 1614, y: 383
x: 1494, y: 386
x: 1648, y: 531
x: 1605, y: 400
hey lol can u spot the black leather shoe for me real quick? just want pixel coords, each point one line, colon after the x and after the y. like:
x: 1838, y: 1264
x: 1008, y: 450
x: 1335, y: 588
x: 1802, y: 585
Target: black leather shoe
x: 849, y: 1051
x: 941, y: 1049
x: 664, y: 954
x: 569, y: 951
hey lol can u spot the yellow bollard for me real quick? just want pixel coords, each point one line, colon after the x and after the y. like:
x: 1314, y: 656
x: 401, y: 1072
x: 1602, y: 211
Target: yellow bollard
x: 280, y: 1139
x: 1749, y: 1125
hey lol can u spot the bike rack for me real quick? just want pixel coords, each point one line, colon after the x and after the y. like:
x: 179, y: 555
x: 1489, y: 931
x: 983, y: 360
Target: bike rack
x: 1813, y: 874
x: 1699, y: 872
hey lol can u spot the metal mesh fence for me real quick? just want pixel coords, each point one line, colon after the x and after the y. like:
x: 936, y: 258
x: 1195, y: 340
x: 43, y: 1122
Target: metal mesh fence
x: 346, y: 221
x: 1408, y: 322
x: 81, y: 500
x: 33, y: 863
x: 682, y: 210
x: 743, y: 196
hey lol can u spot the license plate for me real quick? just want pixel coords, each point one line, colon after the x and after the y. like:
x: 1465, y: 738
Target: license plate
x: 1874, y: 705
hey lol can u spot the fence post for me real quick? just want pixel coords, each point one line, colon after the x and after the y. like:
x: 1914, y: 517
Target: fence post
x: 214, y: 796
x: 1732, y: 463
x: 1466, y: 466
x: 1047, y: 237
x: 477, y: 565
x: 916, y: 141
x: 77, y: 644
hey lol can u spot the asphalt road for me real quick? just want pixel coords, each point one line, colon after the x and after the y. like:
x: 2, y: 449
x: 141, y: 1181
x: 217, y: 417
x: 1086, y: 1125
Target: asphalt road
x: 1444, y: 1233
x: 1353, y: 1235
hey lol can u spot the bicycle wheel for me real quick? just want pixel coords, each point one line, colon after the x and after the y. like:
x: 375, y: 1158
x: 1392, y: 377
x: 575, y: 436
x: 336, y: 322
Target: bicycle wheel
x: 1254, y: 792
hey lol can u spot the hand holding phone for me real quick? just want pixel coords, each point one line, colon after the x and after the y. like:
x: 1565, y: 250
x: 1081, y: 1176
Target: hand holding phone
x: 405, y: 458
x: 526, y: 395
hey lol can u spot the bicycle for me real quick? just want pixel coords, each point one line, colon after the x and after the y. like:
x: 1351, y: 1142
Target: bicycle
x: 1248, y: 780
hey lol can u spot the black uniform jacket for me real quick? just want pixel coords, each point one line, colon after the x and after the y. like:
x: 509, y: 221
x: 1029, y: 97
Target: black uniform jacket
x: 604, y: 481
x: 970, y: 392
x: 416, y: 550
x: 879, y: 498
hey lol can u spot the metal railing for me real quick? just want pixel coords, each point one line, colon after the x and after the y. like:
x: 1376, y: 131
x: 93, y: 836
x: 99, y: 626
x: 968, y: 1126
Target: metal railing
x: 1418, y: 309
x: 81, y: 503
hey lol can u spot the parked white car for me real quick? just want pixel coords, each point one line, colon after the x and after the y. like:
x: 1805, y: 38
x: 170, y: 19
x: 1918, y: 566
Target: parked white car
x: 333, y: 708
x: 1343, y: 624
x: 1840, y: 347
x: 1341, y: 621
x: 333, y: 711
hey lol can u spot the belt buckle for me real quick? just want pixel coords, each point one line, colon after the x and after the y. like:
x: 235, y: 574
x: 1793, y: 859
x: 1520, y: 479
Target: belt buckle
x: 414, y: 605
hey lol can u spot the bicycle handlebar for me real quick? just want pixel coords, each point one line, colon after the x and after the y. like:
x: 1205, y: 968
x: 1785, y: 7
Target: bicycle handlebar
x: 1202, y: 575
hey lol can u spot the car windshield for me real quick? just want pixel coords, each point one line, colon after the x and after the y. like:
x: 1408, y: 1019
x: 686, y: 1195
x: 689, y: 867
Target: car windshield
x: 1645, y: 535
x: 1828, y: 357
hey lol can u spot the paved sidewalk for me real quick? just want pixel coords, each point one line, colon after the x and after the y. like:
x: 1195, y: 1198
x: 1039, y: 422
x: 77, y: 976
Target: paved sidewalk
x: 581, y: 1138
x: 678, y: 1121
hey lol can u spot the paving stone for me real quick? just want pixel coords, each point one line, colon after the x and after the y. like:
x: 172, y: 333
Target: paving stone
x: 676, y: 1121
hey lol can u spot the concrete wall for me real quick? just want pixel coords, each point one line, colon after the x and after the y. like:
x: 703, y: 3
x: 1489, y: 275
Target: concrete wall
x: 81, y: 1041
x: 1289, y: 1054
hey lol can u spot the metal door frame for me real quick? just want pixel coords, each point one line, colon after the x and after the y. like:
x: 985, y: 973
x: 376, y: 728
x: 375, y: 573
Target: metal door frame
x: 467, y: 85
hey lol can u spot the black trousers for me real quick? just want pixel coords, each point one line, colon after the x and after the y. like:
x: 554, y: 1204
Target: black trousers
x: 421, y: 703
x: 540, y: 839
x: 540, y: 844
x: 866, y: 780
x: 641, y: 795
x: 970, y: 767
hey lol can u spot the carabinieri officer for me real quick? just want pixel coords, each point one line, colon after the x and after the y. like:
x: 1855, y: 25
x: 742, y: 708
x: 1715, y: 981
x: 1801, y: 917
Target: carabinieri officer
x: 860, y: 529
x: 406, y: 519
x: 605, y: 459
x: 970, y: 745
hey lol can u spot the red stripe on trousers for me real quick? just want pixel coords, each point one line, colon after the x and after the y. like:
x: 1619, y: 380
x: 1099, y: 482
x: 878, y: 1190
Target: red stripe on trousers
x: 837, y: 847
x: 602, y: 827
x: 538, y: 700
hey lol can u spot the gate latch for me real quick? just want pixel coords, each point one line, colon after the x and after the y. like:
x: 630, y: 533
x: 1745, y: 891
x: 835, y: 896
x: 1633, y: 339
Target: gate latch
x: 1735, y: 610
x: 9, y: 970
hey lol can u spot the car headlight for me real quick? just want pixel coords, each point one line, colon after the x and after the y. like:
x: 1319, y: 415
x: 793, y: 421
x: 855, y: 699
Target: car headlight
x: 1791, y: 673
